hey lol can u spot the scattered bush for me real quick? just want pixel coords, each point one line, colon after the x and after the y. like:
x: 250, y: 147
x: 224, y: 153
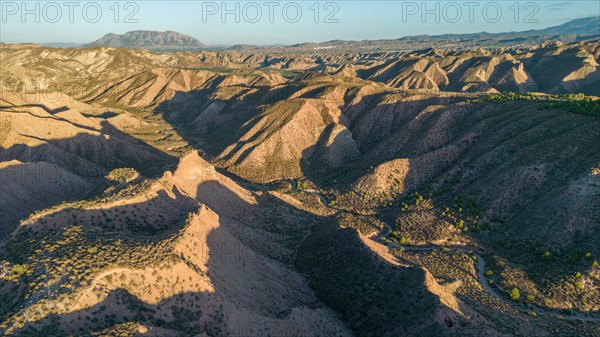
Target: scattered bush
x: 574, y: 103
x: 123, y: 175
x: 302, y: 185
x: 515, y: 294
x: 546, y: 255
x: 574, y: 257
x: 20, y: 269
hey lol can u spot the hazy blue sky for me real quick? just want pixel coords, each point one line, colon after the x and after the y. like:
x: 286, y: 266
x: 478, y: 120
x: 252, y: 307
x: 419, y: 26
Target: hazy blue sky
x: 79, y: 21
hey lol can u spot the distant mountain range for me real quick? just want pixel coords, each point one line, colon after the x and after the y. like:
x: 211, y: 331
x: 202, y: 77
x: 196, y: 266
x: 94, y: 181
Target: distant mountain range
x: 150, y: 40
x: 585, y: 26
x: 62, y: 44
x: 572, y: 31
x: 575, y: 30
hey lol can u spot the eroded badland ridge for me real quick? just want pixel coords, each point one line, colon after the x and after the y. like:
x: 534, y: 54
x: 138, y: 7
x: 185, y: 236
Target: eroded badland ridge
x: 334, y: 194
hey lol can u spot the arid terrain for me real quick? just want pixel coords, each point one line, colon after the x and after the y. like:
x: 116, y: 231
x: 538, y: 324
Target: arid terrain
x: 432, y: 192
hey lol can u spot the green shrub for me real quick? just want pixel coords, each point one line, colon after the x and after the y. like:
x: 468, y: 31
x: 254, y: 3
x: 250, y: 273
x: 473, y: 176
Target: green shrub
x: 302, y: 185
x: 122, y: 175
x: 20, y: 269
x: 515, y: 294
x: 574, y: 103
x: 546, y: 255
x: 497, y: 219
x: 574, y: 257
